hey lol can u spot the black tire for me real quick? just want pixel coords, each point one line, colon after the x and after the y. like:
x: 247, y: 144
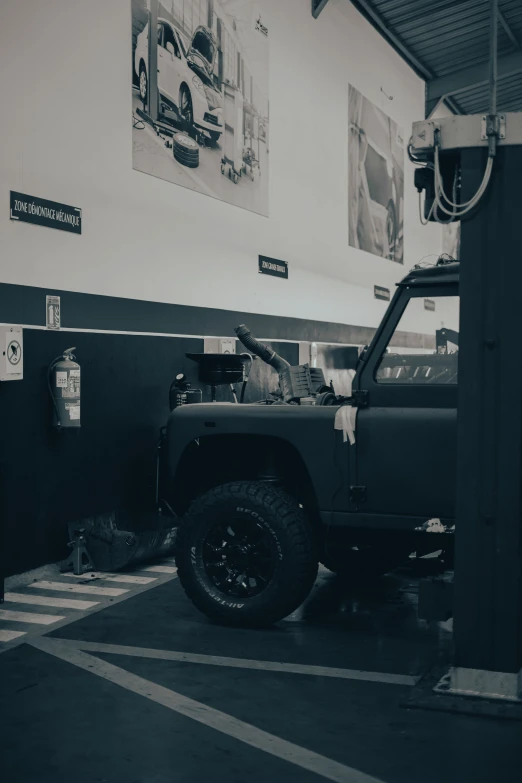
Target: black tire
x: 185, y: 107
x: 143, y: 83
x: 278, y: 523
x: 185, y: 150
x: 214, y: 137
x: 185, y: 143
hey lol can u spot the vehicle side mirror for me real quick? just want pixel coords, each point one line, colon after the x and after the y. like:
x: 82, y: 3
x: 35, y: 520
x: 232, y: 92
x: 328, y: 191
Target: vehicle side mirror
x: 361, y: 357
x: 170, y: 48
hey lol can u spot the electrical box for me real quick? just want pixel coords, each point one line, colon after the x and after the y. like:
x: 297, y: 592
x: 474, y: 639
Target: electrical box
x: 227, y: 346
x: 423, y: 136
x: 12, y: 353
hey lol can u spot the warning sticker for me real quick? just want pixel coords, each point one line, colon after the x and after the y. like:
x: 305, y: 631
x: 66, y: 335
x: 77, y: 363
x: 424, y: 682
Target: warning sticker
x: 61, y: 380
x: 74, y: 411
x: 72, y: 387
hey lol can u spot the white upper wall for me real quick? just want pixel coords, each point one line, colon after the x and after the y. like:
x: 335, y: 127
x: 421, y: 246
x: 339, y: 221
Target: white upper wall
x: 66, y: 136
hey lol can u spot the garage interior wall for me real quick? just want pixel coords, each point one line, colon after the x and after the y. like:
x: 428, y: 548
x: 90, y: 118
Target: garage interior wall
x: 159, y: 259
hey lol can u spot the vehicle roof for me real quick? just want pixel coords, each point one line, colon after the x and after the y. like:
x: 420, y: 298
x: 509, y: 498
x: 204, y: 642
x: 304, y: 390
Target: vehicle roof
x: 440, y: 273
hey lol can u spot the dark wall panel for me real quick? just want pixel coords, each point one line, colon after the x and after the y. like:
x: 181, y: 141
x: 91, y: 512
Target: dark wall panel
x: 50, y: 478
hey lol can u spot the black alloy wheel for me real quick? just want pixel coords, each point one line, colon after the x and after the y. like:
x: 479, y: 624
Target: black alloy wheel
x: 246, y: 554
x: 240, y: 557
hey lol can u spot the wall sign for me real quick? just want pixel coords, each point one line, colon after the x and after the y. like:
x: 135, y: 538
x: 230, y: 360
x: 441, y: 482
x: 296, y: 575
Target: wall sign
x: 52, y: 312
x: 271, y: 266
x: 42, y: 212
x: 429, y: 304
x: 381, y: 293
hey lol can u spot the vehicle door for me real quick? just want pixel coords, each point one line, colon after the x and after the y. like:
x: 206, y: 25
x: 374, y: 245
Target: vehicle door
x: 406, y: 431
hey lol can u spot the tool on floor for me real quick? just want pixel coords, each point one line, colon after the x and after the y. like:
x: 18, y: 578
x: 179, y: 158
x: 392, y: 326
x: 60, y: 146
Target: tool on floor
x: 79, y: 560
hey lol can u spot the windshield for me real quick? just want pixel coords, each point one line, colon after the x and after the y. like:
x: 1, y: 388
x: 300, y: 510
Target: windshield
x: 434, y: 325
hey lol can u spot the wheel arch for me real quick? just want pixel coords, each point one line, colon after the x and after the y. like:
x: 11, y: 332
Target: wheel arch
x: 218, y: 459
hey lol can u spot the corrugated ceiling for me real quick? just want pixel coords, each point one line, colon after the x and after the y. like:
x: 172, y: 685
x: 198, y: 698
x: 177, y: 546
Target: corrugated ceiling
x: 443, y: 37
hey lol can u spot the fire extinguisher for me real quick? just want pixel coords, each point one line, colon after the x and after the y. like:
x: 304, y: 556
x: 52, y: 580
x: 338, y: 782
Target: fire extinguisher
x: 64, y: 387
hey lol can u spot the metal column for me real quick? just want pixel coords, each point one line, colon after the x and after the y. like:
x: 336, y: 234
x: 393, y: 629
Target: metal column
x: 488, y: 556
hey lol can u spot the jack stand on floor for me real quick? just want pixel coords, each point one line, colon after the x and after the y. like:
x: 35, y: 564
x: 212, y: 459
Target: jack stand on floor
x: 79, y: 560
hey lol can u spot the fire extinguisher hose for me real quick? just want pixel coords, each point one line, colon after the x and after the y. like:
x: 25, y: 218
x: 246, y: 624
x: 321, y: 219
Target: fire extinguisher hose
x: 65, y: 355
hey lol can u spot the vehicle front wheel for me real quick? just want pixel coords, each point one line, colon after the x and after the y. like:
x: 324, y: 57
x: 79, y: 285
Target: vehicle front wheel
x: 246, y: 554
x: 214, y: 137
x: 144, y: 84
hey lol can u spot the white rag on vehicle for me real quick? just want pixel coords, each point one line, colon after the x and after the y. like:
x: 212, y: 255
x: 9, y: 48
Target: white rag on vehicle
x: 345, y: 421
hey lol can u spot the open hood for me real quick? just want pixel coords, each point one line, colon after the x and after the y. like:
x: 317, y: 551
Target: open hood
x: 203, y: 50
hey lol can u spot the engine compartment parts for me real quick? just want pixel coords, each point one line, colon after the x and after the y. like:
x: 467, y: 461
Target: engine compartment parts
x: 181, y: 393
x: 63, y: 380
x: 220, y: 369
x: 297, y: 382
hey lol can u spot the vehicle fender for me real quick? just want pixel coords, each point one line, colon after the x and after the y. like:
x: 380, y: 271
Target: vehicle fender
x: 308, y: 429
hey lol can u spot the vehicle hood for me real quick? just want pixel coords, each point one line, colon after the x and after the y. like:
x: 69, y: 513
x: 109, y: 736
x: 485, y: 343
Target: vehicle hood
x: 203, y: 50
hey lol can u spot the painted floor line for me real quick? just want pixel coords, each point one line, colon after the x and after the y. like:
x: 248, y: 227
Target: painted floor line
x: 161, y: 569
x: 245, y: 663
x: 8, y: 636
x: 110, y: 602
x: 128, y: 579
x: 29, y: 617
x: 68, y: 587
x: 47, y: 600
x: 208, y: 716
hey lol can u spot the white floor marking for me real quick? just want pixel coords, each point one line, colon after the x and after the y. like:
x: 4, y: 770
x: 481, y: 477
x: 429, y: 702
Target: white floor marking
x: 159, y: 569
x: 208, y: 716
x: 8, y: 636
x: 245, y: 663
x: 67, y: 587
x: 123, y: 578
x: 45, y: 600
x: 29, y: 617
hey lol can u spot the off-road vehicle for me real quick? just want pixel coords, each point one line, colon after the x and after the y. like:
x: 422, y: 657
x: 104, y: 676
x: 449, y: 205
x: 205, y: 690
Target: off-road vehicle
x: 266, y: 491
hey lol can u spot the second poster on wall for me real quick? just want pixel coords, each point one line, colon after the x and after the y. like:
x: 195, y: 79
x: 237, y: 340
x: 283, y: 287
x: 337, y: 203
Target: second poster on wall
x: 375, y: 179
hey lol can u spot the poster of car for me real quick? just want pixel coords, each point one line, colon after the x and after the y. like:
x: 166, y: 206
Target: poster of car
x: 375, y: 179
x: 200, y: 108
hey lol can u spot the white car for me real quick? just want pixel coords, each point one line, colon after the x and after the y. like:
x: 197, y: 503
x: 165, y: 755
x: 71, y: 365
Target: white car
x: 185, y: 71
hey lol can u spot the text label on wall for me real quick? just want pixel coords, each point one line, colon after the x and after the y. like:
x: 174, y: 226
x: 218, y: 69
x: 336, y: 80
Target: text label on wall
x: 42, y: 212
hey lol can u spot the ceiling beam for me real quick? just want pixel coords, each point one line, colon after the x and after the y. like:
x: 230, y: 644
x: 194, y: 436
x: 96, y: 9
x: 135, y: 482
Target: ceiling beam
x: 462, y: 80
x: 317, y: 7
x: 367, y: 9
x: 507, y: 29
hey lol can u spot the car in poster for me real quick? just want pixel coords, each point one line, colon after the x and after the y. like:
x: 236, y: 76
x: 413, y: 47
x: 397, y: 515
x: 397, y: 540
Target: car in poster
x: 185, y: 69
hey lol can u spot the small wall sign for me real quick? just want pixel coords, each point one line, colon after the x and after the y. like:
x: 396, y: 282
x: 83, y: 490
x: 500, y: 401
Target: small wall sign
x: 429, y: 304
x: 381, y: 293
x: 52, y: 312
x: 42, y: 212
x: 271, y: 266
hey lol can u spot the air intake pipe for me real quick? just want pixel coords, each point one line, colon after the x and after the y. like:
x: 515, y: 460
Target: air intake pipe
x: 258, y: 349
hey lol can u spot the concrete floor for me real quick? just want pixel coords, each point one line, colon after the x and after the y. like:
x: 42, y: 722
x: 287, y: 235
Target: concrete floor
x: 69, y: 719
